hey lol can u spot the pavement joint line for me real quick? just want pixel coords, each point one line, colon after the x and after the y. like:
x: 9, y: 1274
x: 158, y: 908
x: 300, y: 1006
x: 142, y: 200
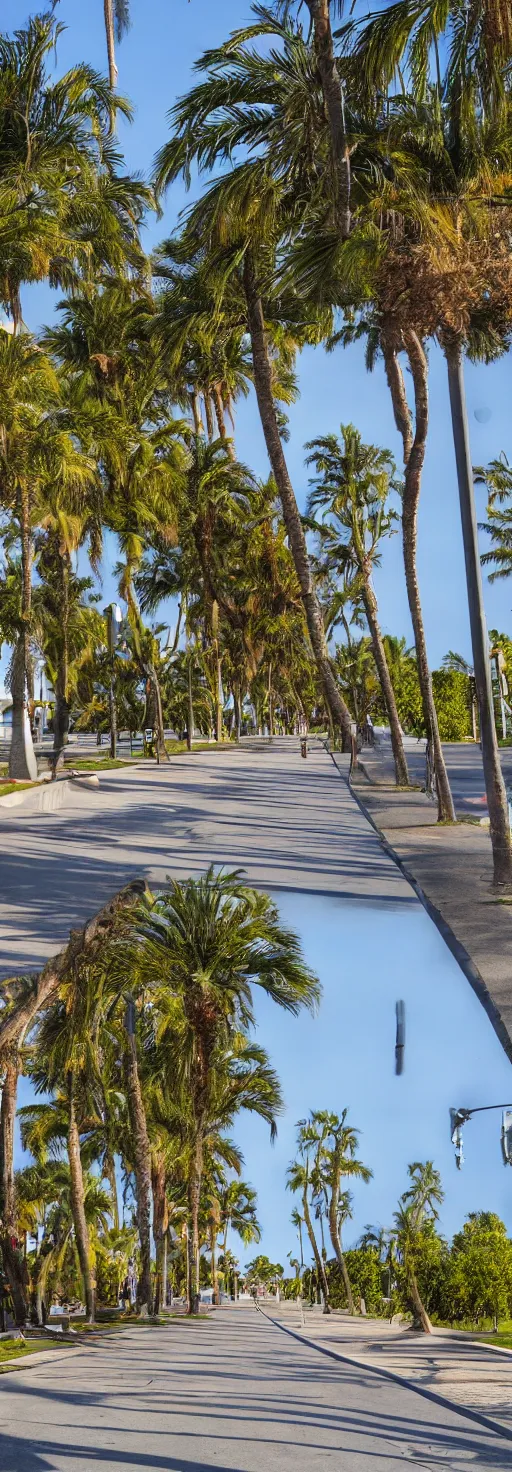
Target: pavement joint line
x: 440, y: 1400
x: 458, y: 950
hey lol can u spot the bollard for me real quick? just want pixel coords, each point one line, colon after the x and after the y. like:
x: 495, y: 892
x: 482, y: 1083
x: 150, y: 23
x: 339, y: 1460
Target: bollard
x: 304, y: 747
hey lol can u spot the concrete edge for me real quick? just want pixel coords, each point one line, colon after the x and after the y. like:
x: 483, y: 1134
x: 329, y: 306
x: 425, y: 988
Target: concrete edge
x: 40, y: 1357
x: 458, y: 950
x: 440, y: 1400
x: 47, y: 797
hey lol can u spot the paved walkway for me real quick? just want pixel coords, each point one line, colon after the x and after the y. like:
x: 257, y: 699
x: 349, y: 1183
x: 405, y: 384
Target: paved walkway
x: 232, y: 1394
x: 452, y: 864
x: 290, y: 824
x: 455, y: 1366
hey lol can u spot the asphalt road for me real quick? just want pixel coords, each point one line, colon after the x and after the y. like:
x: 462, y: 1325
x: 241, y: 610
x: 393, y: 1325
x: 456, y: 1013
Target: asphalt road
x: 234, y: 1394
x: 464, y: 766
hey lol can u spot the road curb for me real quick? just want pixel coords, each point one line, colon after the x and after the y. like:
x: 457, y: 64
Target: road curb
x: 440, y: 1400
x: 458, y: 950
x: 40, y: 1357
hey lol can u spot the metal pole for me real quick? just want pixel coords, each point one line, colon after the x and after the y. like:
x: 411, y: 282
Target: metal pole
x: 113, y: 714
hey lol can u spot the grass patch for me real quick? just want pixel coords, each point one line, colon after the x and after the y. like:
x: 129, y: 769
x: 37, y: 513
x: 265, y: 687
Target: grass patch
x: 100, y: 764
x: 179, y: 748
x: 503, y: 1340
x: 12, y: 1349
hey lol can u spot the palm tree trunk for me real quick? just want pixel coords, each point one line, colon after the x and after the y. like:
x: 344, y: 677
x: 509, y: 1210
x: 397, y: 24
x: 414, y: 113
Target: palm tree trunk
x: 194, y: 1199
x: 320, y: 1265
x: 196, y: 413
x: 14, y: 1266
x: 379, y: 654
x: 108, y: 9
x: 22, y: 762
x: 221, y: 422
x: 83, y: 1245
x: 208, y: 414
x: 217, y: 671
x: 333, y: 100
x: 340, y: 1258
x: 109, y: 1170
x: 142, y: 1158
x: 494, y: 784
x: 294, y: 528
x: 190, y: 701
x: 164, y: 1268
x: 236, y: 711
x: 414, y: 456
x: 61, y: 716
x: 213, y: 1251
x: 159, y: 1225
x: 420, y: 1312
x: 155, y: 714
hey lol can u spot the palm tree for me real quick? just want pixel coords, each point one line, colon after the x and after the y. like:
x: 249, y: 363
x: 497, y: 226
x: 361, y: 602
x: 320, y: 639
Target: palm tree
x: 66, y: 209
x: 298, y: 1222
x: 300, y: 1179
x: 242, y: 209
x: 200, y: 948
x: 117, y: 21
x: 449, y: 275
x: 237, y: 1211
x: 28, y: 394
x: 45, y: 1193
x: 417, y: 1207
x: 352, y: 488
x: 67, y: 1056
x: 333, y: 95
x: 336, y: 1145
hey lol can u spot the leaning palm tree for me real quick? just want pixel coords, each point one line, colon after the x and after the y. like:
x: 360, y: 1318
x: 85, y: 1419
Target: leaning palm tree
x: 416, y: 1209
x: 352, y: 490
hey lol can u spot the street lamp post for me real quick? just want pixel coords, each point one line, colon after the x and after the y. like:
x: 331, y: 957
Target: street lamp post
x: 458, y: 1117
x: 113, y: 615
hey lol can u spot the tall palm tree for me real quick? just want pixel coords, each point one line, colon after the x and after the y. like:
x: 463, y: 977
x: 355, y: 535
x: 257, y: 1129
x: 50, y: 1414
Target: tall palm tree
x: 117, y: 22
x: 201, y: 948
x: 336, y: 1145
x: 299, y: 1179
x: 29, y: 398
x: 448, y: 276
x: 352, y: 489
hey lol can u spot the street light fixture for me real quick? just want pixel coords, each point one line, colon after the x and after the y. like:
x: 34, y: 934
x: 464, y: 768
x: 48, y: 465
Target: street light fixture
x: 458, y: 1117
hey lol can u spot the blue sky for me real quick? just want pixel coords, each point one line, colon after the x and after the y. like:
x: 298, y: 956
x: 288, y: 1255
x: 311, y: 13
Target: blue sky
x: 368, y: 957
x: 155, y: 62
